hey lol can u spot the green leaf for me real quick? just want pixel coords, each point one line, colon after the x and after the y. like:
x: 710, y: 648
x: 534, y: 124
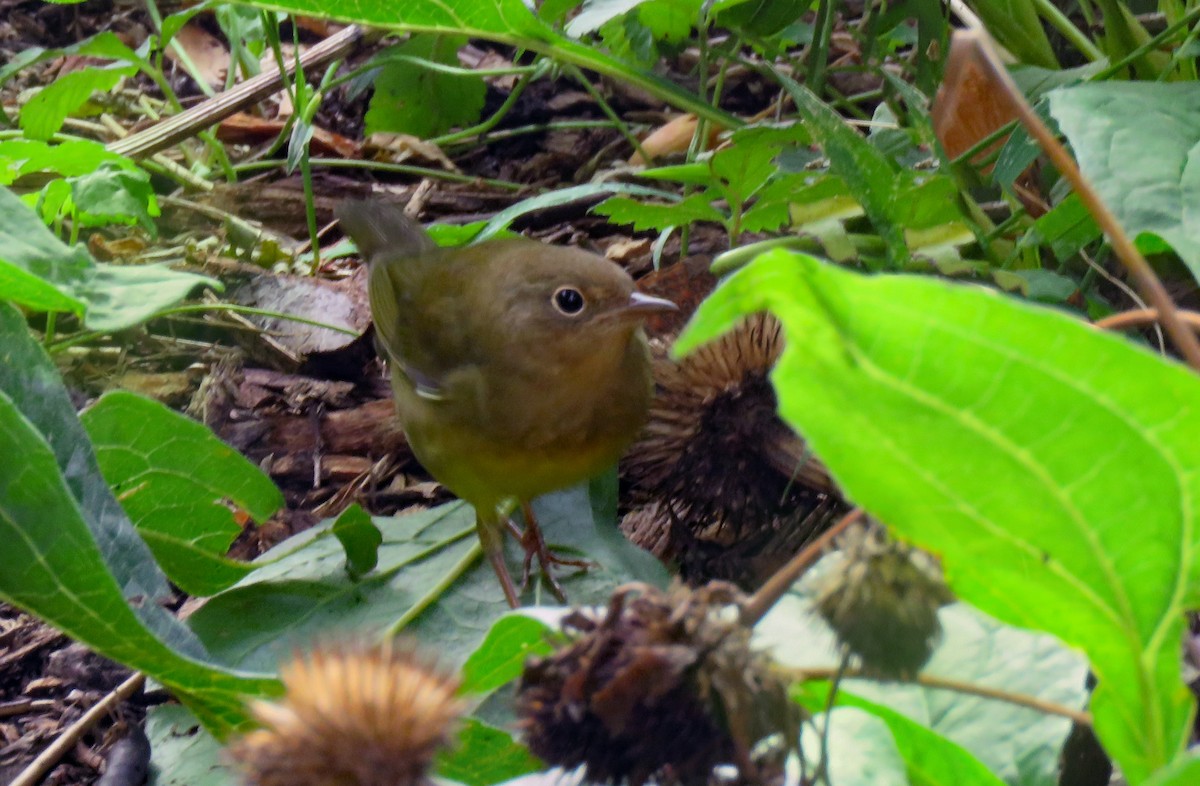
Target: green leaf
x: 562, y: 196
x: 301, y: 591
x: 360, y: 538
x: 651, y: 215
x: 39, y: 271
x: 861, y: 749
x: 42, y: 116
x: 182, y: 753
x: 105, y: 45
x: 1066, y: 229
x: 485, y: 755
x: 175, y: 478
x: 71, y: 556
x: 510, y: 22
x: 740, y: 170
x: 74, y: 157
x: 1052, y: 466
x: 1017, y: 28
x: 1182, y: 772
x: 1017, y: 744
x: 412, y: 99
x: 1150, y: 188
x: 593, y: 14
x: 114, y: 195
x: 501, y: 656
x: 930, y: 759
x: 867, y: 172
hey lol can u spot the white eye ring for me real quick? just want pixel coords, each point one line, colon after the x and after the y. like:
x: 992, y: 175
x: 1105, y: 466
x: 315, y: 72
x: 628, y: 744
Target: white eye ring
x: 568, y: 301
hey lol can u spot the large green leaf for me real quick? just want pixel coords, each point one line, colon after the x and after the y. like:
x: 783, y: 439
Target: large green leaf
x: 174, y: 478
x: 1152, y: 188
x: 71, y: 556
x: 302, y: 592
x: 412, y: 99
x: 505, y: 21
x: 1054, y: 467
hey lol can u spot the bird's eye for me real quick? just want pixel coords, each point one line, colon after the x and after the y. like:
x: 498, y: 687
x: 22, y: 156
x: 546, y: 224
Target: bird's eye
x: 568, y: 300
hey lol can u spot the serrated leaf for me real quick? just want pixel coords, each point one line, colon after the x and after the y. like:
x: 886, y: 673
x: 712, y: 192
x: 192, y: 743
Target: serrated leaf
x: 412, y: 99
x: 866, y: 172
x: 71, y: 556
x: 1021, y: 445
x: 1150, y: 188
x: 650, y: 215
x: 173, y: 477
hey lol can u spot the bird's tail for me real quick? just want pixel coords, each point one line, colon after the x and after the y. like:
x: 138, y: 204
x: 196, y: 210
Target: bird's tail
x: 379, y: 227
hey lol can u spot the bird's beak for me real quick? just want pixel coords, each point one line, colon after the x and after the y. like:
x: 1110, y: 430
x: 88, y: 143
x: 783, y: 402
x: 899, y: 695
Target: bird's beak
x: 647, y: 304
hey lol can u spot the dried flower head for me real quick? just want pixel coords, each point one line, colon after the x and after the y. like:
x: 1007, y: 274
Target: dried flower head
x: 730, y: 490
x: 883, y: 601
x: 351, y: 716
x: 662, y: 686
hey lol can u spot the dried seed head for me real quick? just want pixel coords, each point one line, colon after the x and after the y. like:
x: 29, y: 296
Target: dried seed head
x: 882, y: 603
x: 729, y: 490
x: 663, y: 686
x: 351, y: 716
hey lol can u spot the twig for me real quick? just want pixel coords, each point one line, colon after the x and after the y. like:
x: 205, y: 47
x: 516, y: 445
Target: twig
x: 1081, y: 717
x: 201, y: 116
x: 973, y: 47
x: 66, y: 741
x: 779, y: 583
x: 1140, y: 317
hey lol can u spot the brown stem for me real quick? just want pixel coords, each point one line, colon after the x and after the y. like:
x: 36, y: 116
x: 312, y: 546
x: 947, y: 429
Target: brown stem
x: 769, y: 594
x: 973, y: 47
x: 1081, y: 717
x: 1140, y: 317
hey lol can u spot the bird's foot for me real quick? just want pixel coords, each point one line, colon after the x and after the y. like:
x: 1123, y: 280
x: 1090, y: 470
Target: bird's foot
x: 534, y: 544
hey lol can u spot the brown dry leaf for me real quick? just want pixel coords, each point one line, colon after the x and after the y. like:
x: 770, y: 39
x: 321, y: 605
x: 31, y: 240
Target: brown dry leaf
x: 206, y: 51
x: 968, y: 107
x: 627, y: 250
x: 396, y: 148
x: 241, y: 128
x: 107, y: 250
x: 672, y: 137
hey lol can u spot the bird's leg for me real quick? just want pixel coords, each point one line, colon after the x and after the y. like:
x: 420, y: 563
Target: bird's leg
x: 535, y: 545
x: 491, y: 537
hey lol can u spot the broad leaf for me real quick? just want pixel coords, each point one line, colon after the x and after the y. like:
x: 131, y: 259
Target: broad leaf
x: 1151, y: 188
x: 1052, y: 466
x: 175, y: 480
x: 71, y: 556
x: 412, y: 99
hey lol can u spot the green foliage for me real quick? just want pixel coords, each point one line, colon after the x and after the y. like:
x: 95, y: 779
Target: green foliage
x: 413, y: 99
x: 360, y: 538
x: 1020, y: 444
x: 176, y: 480
x: 73, y: 558
x: 1016, y: 26
x: 1149, y: 187
x: 39, y: 271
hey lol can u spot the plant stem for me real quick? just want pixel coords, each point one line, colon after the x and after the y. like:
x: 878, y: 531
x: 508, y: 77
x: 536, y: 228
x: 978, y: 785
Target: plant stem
x: 769, y: 593
x: 959, y: 686
x: 437, y: 590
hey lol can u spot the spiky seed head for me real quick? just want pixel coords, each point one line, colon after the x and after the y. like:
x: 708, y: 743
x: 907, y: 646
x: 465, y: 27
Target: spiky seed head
x: 663, y: 686
x: 352, y: 715
x: 882, y: 603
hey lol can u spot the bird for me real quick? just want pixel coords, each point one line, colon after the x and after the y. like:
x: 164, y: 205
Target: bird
x: 518, y: 368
